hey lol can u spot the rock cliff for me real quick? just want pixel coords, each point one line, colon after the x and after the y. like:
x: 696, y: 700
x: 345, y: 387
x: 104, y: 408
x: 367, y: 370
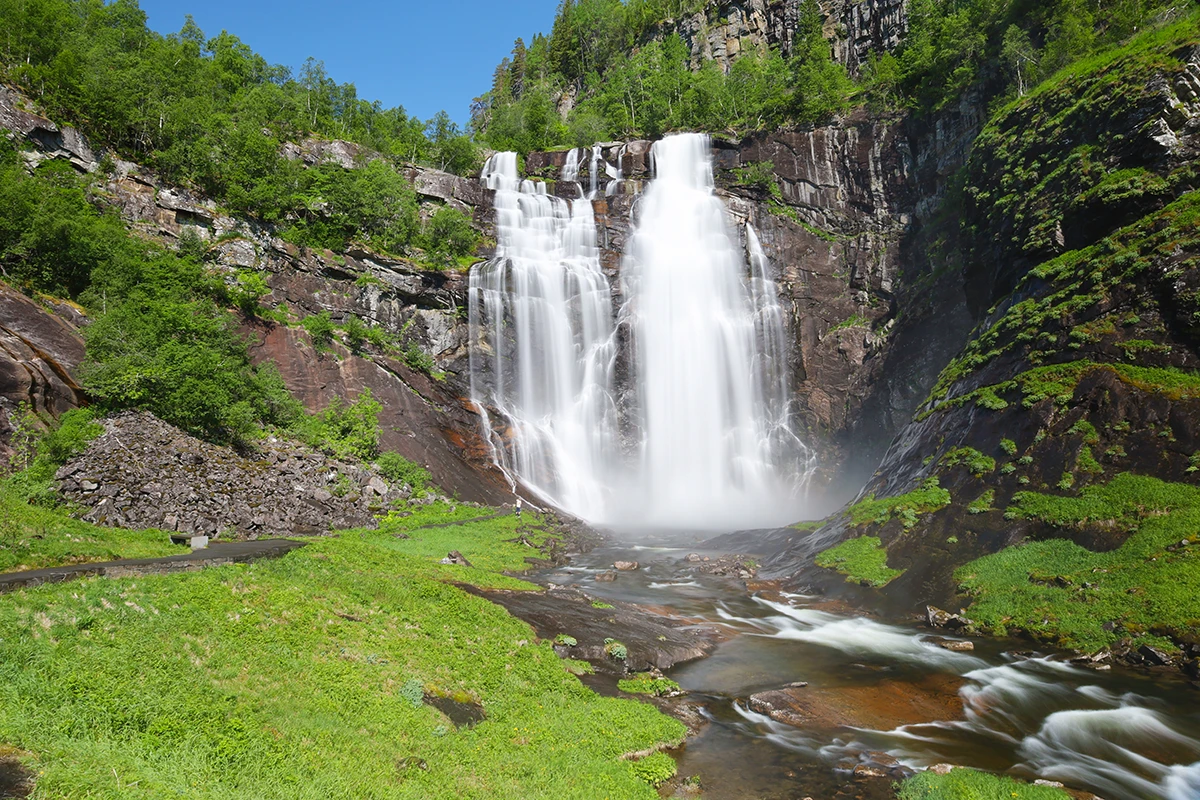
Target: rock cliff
x: 1079, y: 274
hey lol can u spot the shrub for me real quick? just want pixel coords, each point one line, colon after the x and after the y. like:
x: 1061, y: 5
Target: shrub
x: 320, y: 328
x: 449, y: 235
x: 418, y: 359
x: 398, y: 469
x: 356, y: 333
x: 344, y: 431
x: 250, y: 289
x: 44, y: 454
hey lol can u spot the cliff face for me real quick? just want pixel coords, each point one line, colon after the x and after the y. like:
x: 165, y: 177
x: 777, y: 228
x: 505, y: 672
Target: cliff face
x: 841, y: 212
x: 724, y: 29
x: 1081, y: 229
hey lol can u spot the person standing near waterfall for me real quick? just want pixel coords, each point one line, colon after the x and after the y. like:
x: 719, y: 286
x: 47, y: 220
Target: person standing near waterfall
x: 518, y: 511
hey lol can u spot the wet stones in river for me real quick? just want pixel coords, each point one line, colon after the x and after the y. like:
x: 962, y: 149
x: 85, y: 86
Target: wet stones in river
x: 625, y: 566
x: 884, y: 705
x: 937, y: 618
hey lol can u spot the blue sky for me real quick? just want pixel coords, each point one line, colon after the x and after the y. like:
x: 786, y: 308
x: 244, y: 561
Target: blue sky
x: 425, y: 56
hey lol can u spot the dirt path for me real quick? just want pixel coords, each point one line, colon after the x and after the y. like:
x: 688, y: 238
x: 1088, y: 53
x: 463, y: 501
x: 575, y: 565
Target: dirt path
x: 214, y: 555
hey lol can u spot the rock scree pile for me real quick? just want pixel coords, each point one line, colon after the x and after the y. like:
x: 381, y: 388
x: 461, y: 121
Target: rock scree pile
x: 143, y: 473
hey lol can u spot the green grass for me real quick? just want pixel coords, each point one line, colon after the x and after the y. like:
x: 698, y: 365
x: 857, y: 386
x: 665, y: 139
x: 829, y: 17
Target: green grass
x: 297, y: 678
x: 1062, y: 593
x: 1058, y: 381
x: 32, y: 537
x: 975, y: 462
x: 969, y: 784
x: 928, y: 497
x: 861, y: 559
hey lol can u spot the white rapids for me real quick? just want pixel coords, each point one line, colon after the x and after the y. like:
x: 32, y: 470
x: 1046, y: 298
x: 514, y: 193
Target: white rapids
x: 698, y: 431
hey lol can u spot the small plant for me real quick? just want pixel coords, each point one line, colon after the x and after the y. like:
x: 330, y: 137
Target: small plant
x: 565, y: 640
x: 983, y: 503
x: 655, y: 769
x: 951, y: 540
x: 614, y: 649
x: 413, y: 692
x: 970, y: 458
x: 645, y: 683
x: 1090, y: 435
x: 342, y: 486
x: 601, y: 604
x: 1008, y: 446
x: 1066, y: 482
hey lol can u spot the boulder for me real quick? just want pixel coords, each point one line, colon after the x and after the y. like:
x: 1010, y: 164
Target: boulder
x: 882, y: 706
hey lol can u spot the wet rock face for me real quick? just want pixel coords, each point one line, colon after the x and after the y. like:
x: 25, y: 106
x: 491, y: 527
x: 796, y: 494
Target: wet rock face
x: 144, y: 473
x: 39, y: 352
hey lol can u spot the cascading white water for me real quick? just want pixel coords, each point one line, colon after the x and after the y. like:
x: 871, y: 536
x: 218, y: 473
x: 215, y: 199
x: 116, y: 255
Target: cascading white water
x: 706, y: 381
x: 570, y: 170
x: 542, y: 344
x: 706, y: 416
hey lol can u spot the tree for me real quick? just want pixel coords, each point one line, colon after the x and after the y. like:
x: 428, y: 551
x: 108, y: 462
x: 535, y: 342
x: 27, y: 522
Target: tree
x: 1019, y: 56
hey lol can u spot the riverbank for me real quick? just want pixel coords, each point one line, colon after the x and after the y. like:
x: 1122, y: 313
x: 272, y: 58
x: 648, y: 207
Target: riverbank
x: 320, y: 674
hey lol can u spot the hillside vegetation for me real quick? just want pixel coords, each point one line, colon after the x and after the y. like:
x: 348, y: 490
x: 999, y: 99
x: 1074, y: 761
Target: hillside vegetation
x: 631, y: 73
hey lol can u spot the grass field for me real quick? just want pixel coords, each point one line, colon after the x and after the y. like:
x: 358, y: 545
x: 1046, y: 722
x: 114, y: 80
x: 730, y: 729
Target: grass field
x: 303, y: 677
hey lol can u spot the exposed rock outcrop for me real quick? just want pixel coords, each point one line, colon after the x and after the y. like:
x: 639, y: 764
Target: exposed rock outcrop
x: 39, y: 353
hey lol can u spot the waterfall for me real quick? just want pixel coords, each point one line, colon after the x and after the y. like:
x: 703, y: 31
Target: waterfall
x: 570, y: 170
x: 702, y: 437
x: 708, y: 353
x: 542, y: 344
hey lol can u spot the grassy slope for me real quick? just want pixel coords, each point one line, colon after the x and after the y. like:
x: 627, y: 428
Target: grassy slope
x: 33, y: 537
x: 297, y: 678
x: 1061, y: 592
x: 969, y: 784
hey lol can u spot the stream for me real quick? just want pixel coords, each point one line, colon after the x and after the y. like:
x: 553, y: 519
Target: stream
x: 1118, y: 733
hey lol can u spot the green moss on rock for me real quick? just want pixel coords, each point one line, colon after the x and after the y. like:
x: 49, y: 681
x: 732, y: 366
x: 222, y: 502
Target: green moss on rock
x: 861, y: 560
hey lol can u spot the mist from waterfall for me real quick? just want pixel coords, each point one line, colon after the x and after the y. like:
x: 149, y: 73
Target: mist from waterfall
x: 702, y: 436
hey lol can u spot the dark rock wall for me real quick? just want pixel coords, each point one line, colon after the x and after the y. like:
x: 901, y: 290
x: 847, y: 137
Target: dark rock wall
x: 39, y: 353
